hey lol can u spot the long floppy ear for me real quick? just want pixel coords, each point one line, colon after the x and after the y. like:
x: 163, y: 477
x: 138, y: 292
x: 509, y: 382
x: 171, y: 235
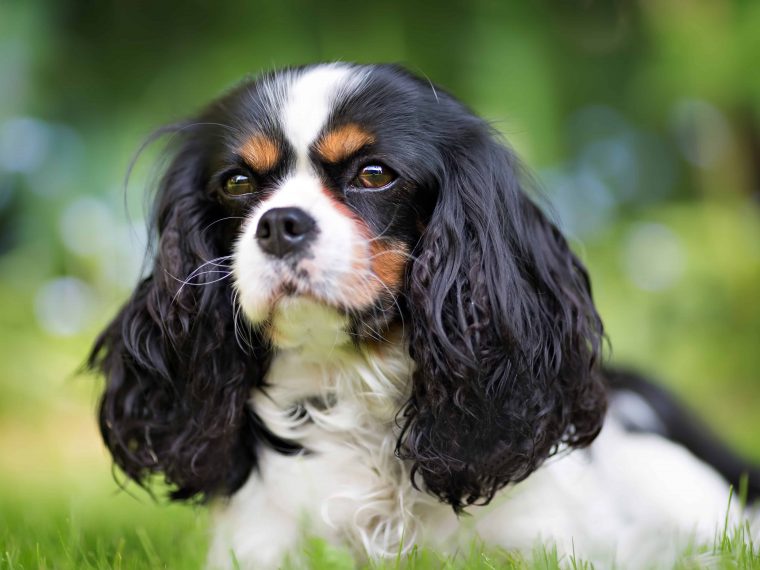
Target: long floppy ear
x: 177, y: 381
x: 504, y: 333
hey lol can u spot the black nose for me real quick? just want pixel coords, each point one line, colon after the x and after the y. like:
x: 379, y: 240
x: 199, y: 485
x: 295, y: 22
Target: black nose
x: 285, y: 230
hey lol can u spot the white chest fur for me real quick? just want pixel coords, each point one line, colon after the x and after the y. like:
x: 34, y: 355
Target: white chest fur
x: 349, y: 487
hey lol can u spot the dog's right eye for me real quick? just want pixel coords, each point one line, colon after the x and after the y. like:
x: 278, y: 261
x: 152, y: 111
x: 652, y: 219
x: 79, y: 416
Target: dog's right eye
x: 238, y: 185
x: 374, y: 177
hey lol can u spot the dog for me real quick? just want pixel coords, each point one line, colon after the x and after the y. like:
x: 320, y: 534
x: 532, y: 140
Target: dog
x: 358, y: 326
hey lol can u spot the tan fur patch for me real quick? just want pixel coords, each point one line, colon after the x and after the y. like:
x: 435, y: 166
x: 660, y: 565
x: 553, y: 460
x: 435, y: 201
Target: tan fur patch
x: 388, y: 262
x: 342, y: 142
x: 261, y: 153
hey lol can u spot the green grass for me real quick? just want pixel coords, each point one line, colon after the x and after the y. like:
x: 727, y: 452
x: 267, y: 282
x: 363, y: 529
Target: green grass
x: 102, y: 530
x: 86, y: 536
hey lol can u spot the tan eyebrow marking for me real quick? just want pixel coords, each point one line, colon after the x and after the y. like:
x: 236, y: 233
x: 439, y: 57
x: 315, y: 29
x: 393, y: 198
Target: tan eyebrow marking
x: 343, y: 141
x: 261, y: 153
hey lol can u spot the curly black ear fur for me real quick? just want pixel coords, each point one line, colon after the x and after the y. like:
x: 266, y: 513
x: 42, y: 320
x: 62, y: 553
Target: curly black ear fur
x: 177, y: 386
x: 504, y: 333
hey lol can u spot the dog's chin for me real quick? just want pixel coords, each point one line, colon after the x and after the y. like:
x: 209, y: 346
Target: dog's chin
x: 307, y: 323
x: 295, y: 316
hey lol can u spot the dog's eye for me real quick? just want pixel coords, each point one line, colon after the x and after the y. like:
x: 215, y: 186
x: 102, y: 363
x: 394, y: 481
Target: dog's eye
x: 238, y: 185
x: 374, y: 176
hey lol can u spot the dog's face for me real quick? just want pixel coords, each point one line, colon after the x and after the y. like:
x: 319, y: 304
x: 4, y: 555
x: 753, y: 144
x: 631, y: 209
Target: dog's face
x: 328, y: 204
x: 332, y: 187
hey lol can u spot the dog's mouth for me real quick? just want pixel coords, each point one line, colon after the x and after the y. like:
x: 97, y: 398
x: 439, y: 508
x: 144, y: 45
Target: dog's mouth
x: 294, y: 284
x: 343, y: 285
x: 338, y: 290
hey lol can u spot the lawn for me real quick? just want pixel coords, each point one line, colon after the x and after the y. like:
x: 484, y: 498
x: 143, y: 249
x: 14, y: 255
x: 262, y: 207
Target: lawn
x: 102, y: 529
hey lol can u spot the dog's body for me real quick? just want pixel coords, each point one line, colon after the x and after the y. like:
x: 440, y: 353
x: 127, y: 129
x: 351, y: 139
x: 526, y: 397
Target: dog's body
x: 632, y: 499
x: 418, y: 340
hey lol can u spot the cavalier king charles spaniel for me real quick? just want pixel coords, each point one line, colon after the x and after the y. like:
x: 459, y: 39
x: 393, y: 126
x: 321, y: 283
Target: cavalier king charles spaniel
x: 358, y: 326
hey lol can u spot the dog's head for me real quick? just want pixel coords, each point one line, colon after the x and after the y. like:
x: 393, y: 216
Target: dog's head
x: 328, y: 204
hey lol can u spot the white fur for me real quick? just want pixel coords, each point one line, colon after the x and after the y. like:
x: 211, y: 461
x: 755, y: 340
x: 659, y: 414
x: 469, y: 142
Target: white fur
x: 350, y: 488
x: 634, y: 412
x: 631, y: 500
x: 636, y: 500
x: 310, y: 99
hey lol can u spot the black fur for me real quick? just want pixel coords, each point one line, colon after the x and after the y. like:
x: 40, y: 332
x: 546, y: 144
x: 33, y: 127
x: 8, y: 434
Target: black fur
x: 503, y: 330
x: 497, y: 310
x: 177, y: 380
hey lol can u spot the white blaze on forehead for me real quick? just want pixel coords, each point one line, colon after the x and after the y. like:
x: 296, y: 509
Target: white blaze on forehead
x: 311, y: 98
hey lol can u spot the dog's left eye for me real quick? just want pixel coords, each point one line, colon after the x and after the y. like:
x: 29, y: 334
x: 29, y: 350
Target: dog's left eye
x: 238, y: 185
x: 374, y: 176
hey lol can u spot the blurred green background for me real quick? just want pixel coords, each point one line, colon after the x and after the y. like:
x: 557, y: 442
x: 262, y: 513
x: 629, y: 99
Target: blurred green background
x: 640, y: 119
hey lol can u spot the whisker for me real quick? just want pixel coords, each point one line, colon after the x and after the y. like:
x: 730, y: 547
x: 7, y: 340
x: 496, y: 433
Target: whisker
x: 239, y: 339
x: 374, y: 333
x: 221, y: 220
x: 388, y: 225
x: 209, y: 272
x: 399, y: 251
x: 190, y: 277
x: 371, y: 332
x: 393, y: 297
x: 195, y: 271
x: 222, y: 278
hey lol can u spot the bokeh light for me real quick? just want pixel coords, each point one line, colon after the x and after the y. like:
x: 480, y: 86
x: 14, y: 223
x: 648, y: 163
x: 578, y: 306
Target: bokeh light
x: 65, y: 306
